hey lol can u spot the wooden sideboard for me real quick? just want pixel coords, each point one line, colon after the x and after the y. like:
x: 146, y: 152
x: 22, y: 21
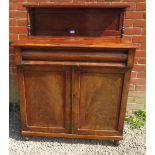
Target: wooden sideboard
x: 74, y: 86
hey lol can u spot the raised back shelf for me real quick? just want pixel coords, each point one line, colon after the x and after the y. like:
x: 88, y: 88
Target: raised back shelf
x: 81, y: 20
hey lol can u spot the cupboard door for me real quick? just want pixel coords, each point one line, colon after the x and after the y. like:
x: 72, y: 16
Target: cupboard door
x: 45, y: 98
x: 97, y: 100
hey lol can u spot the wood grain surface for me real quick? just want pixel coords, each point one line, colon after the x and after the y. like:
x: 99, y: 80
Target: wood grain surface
x: 74, y: 78
x: 74, y: 42
x: 98, y: 99
x: 47, y: 98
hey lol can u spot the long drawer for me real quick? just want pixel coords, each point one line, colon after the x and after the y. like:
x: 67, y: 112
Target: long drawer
x: 68, y: 55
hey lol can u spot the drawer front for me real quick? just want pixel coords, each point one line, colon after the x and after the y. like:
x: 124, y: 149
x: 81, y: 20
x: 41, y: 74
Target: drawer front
x: 74, y: 55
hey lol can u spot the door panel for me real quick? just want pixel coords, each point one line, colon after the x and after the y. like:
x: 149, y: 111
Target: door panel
x: 47, y: 99
x: 97, y: 101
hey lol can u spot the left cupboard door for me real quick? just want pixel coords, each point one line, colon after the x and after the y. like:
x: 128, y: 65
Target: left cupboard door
x: 45, y: 103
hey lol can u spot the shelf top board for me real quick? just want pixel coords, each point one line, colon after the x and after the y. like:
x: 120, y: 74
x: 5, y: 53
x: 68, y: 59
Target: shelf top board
x: 29, y: 5
x: 74, y: 42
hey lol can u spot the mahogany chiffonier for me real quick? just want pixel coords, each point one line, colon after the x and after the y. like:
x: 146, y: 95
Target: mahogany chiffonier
x: 74, y: 70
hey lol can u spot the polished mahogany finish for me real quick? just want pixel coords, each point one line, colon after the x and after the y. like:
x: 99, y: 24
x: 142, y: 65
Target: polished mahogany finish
x: 47, y: 98
x: 73, y: 87
x: 76, y: 42
x: 81, y: 20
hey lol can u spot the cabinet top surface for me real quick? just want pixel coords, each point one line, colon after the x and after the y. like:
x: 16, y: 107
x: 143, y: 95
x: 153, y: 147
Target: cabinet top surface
x: 74, y: 42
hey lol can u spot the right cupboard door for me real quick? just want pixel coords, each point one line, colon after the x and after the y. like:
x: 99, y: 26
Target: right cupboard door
x: 97, y: 100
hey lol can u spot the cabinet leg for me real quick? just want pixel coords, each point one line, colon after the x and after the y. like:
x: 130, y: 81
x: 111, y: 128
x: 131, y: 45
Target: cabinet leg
x: 26, y: 138
x: 116, y: 142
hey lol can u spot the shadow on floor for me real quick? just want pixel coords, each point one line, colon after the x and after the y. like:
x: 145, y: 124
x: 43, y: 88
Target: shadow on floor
x: 14, y: 133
